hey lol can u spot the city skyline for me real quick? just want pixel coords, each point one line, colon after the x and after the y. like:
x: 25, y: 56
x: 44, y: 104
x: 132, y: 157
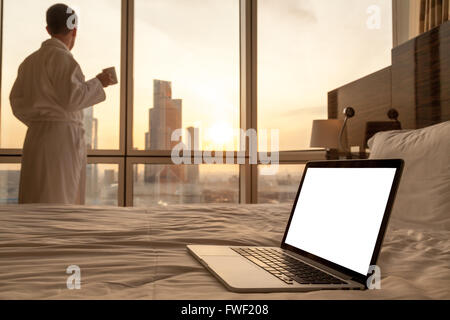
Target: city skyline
x: 205, y: 183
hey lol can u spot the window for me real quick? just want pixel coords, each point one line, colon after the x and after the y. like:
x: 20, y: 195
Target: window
x: 281, y: 187
x: 183, y: 184
x: 190, y: 65
x: 186, y: 73
x: 9, y: 183
x: 93, y: 52
x: 102, y: 184
x: 306, y: 49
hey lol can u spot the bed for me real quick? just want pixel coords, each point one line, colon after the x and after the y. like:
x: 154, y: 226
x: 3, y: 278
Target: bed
x: 132, y: 253
x: 141, y: 253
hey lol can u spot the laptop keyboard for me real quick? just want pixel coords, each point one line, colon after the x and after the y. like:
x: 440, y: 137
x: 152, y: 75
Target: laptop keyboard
x: 285, y: 267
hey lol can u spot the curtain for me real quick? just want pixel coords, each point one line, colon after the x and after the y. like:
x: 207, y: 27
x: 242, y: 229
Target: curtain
x: 433, y: 13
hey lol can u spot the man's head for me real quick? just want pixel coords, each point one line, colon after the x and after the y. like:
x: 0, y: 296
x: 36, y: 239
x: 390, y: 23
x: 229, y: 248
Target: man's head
x: 62, y: 24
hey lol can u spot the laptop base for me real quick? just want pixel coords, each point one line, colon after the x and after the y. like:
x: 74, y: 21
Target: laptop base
x: 240, y: 275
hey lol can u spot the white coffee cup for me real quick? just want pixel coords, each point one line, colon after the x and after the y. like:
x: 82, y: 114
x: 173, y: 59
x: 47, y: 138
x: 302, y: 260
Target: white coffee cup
x: 112, y: 73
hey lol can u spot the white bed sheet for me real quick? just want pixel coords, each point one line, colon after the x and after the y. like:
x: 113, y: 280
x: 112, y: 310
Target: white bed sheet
x: 130, y: 253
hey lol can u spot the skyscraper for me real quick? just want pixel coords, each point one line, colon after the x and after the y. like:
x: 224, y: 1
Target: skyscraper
x: 193, y: 172
x: 91, y: 137
x: 109, y: 177
x: 91, y: 129
x: 164, y: 118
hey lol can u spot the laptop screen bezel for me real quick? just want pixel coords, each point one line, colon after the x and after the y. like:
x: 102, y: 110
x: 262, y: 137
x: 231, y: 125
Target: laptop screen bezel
x: 391, y: 163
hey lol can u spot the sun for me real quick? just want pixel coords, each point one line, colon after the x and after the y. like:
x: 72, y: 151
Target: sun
x: 220, y: 136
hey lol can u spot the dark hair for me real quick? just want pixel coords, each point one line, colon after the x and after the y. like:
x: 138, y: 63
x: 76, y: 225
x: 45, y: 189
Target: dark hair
x: 59, y: 18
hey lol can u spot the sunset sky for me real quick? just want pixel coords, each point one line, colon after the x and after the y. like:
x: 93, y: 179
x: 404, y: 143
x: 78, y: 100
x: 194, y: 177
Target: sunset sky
x: 306, y: 48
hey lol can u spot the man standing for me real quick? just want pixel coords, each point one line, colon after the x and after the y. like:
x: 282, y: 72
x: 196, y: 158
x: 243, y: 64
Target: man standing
x: 49, y: 96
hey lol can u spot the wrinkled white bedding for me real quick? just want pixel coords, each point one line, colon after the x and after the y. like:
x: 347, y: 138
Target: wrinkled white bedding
x: 129, y: 253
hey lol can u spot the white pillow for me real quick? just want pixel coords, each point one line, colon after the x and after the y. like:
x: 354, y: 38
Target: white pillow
x: 424, y: 193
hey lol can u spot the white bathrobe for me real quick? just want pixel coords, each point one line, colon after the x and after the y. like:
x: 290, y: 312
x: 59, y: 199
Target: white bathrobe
x: 49, y: 96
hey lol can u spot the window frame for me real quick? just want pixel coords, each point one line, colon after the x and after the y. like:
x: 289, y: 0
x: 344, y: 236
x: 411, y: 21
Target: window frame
x: 126, y: 157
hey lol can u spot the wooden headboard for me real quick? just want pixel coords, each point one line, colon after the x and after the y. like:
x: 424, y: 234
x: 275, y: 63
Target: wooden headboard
x: 417, y: 85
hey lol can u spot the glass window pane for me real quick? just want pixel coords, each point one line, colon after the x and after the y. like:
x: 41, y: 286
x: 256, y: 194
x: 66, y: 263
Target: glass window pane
x: 281, y: 187
x: 186, y: 72
x: 307, y: 48
x: 9, y: 183
x: 102, y: 184
x: 171, y: 184
x: 97, y: 47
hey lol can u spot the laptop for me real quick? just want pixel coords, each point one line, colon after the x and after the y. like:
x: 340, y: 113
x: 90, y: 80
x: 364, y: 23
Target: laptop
x: 332, y: 239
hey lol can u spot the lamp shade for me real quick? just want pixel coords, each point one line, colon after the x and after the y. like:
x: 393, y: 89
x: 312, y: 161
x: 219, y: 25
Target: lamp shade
x: 325, y: 133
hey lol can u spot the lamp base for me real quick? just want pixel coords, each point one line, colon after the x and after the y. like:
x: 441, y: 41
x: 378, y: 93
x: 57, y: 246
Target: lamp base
x: 332, y: 154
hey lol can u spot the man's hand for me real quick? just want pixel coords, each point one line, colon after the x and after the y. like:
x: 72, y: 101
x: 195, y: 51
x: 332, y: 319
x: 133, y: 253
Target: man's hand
x: 106, y: 79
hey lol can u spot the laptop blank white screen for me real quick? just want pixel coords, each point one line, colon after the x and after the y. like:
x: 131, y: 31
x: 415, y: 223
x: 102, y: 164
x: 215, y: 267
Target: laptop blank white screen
x: 339, y: 214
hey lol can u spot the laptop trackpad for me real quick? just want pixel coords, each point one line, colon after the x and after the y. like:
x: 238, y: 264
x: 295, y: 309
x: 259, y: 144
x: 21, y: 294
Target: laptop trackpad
x: 239, y: 273
x: 212, y: 250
